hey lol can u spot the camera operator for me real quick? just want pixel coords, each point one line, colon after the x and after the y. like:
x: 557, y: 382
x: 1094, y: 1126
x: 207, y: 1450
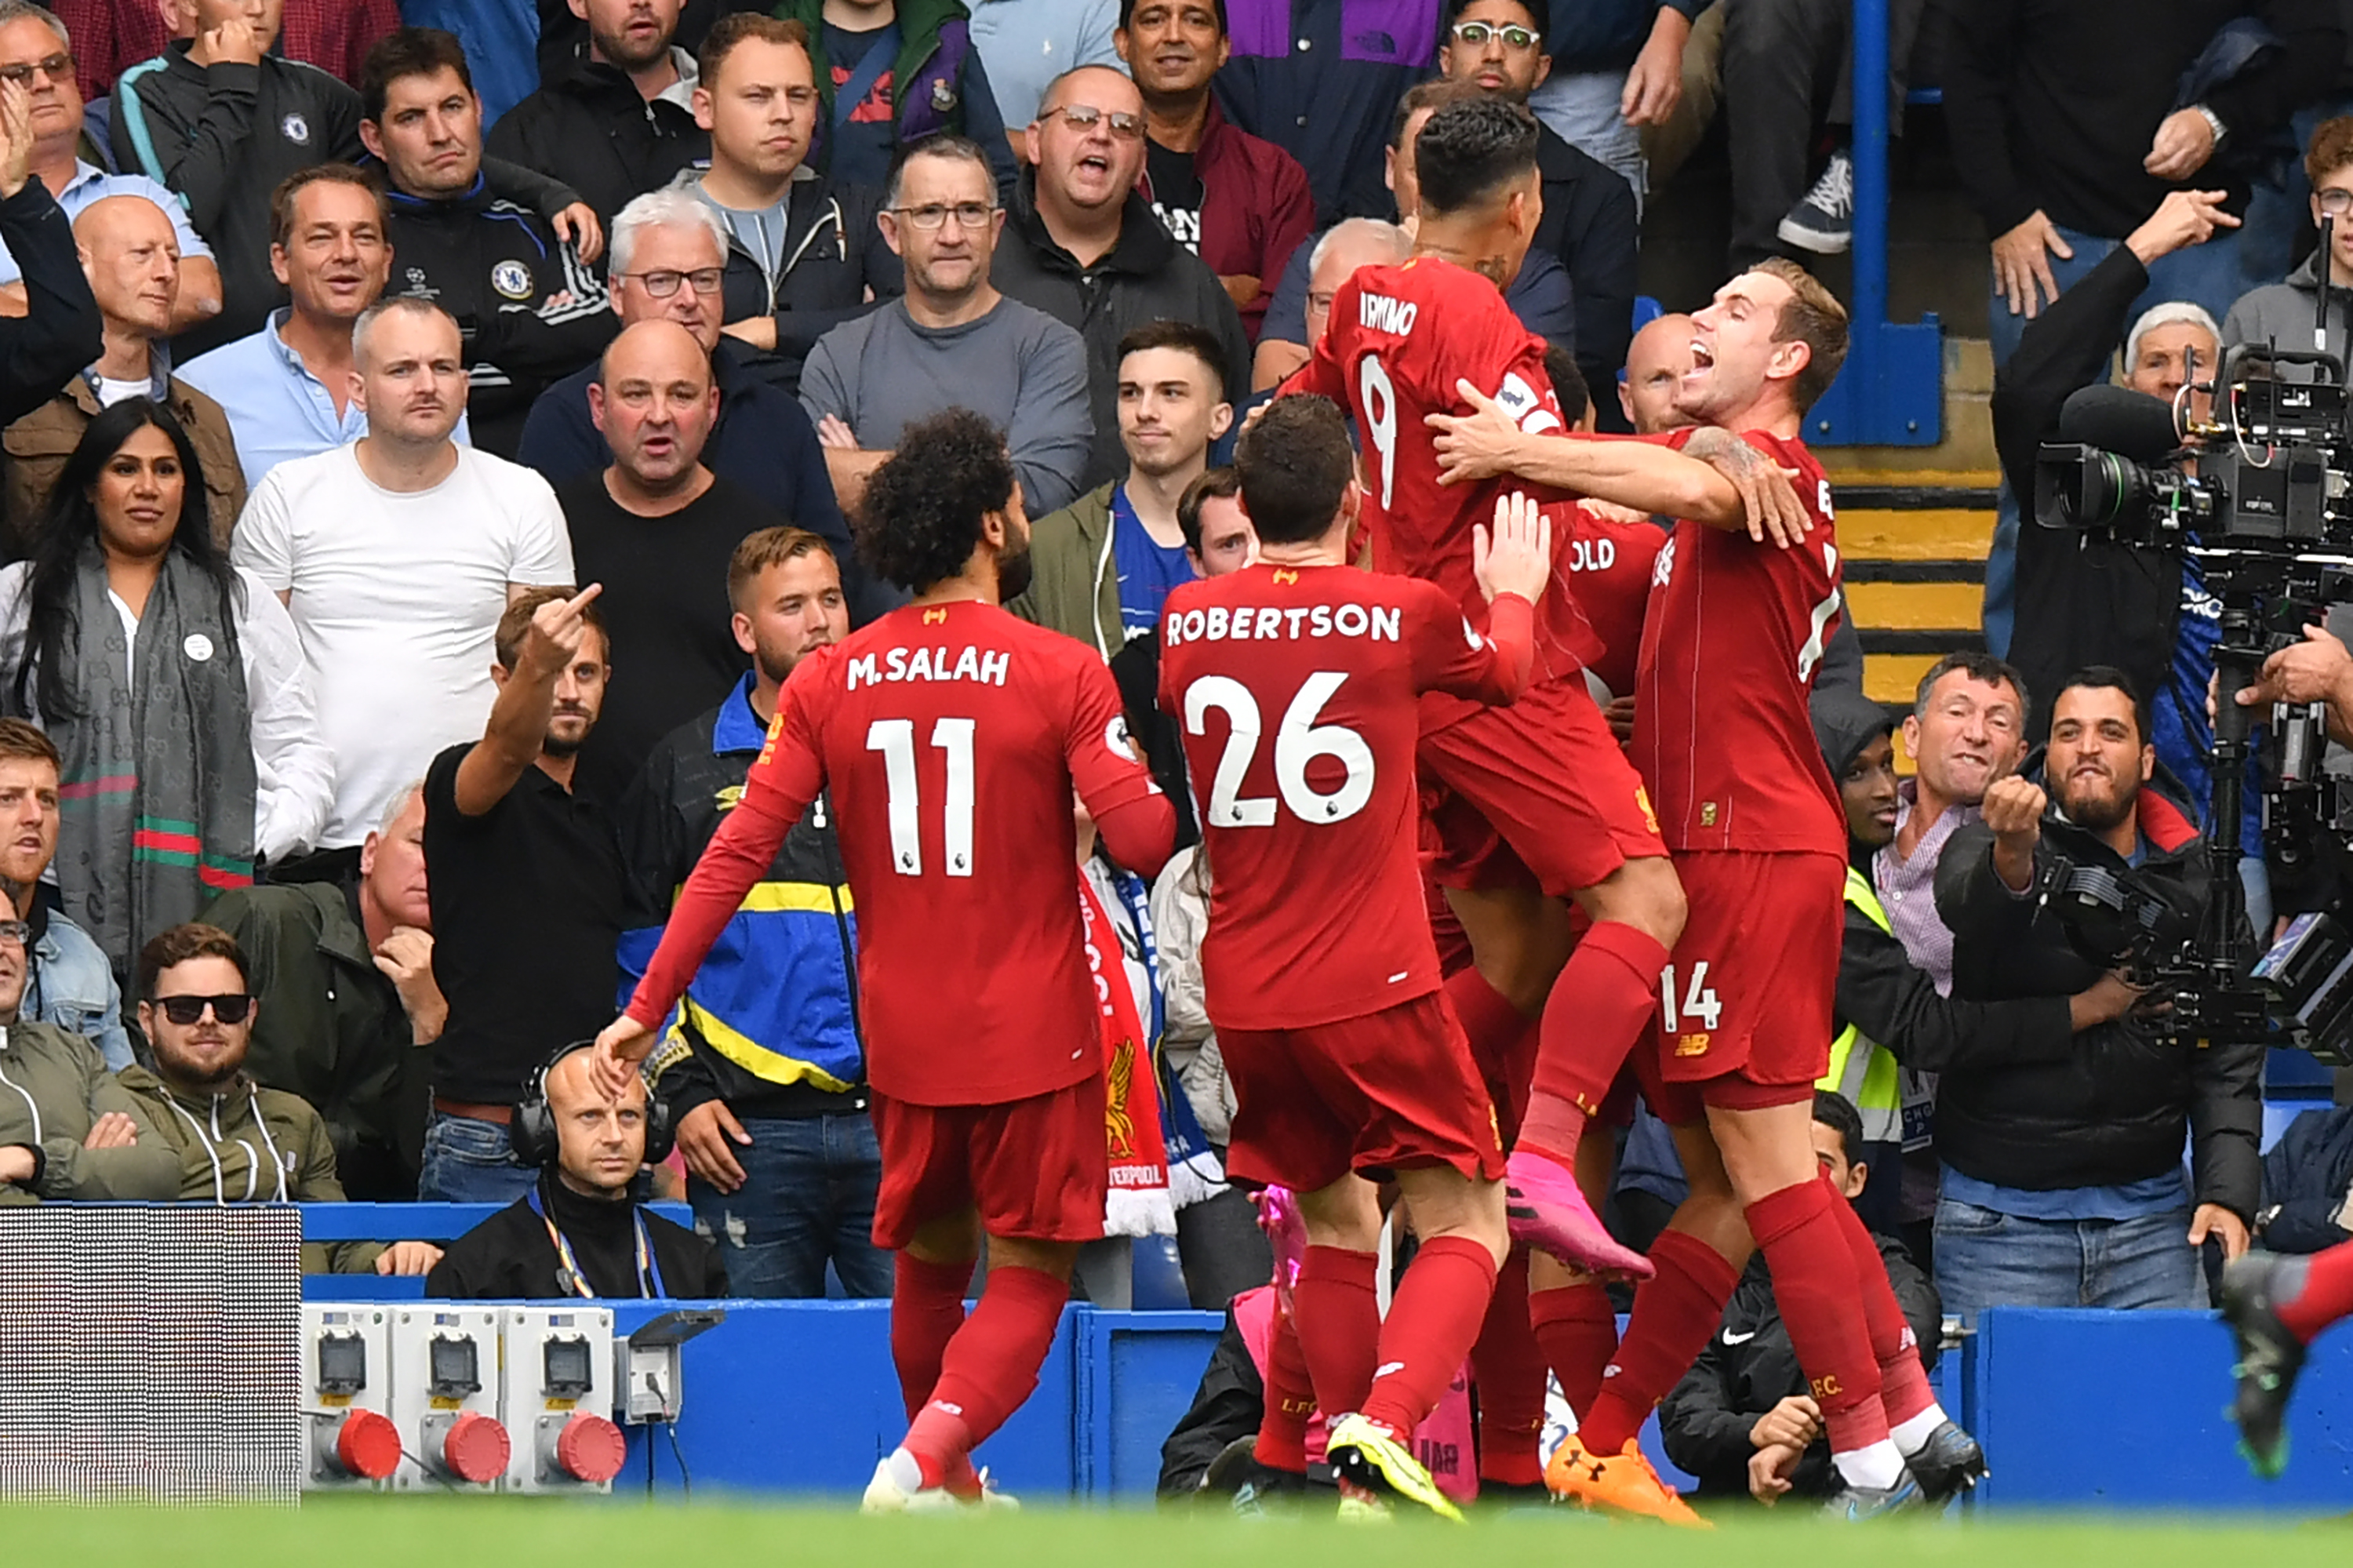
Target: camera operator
x: 2083, y: 599
x: 2063, y: 1184
x: 2316, y: 670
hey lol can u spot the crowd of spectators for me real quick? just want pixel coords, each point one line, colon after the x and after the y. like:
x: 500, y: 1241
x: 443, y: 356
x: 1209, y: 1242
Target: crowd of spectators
x: 428, y: 434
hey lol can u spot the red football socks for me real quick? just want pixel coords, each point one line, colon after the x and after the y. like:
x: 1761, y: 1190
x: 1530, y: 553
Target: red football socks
x: 1339, y: 1325
x: 1507, y: 1366
x: 990, y: 1367
x: 1904, y: 1390
x: 926, y: 1309
x: 1815, y: 1282
x: 1606, y: 997
x: 1497, y: 1032
x: 1441, y: 1299
x: 1675, y: 1311
x: 2325, y: 1295
x: 1290, y: 1399
x: 1578, y: 1327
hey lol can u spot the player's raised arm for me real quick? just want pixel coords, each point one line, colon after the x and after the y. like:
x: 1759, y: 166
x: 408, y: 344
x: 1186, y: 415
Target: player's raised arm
x: 782, y: 782
x: 1724, y: 482
x: 1133, y: 818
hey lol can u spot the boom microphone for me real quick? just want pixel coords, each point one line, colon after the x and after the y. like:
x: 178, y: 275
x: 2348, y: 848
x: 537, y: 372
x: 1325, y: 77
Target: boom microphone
x: 2117, y: 420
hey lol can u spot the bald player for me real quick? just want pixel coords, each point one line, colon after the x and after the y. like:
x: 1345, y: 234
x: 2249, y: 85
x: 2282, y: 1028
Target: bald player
x: 580, y: 1231
x: 130, y: 254
x: 657, y: 527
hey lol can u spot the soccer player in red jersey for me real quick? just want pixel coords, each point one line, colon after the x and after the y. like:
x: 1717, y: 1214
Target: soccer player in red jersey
x: 1737, y: 626
x: 1543, y: 806
x: 1296, y: 681
x: 952, y: 736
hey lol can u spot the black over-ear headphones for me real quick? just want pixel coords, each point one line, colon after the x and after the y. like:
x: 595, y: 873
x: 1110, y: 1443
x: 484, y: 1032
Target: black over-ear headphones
x: 532, y: 1132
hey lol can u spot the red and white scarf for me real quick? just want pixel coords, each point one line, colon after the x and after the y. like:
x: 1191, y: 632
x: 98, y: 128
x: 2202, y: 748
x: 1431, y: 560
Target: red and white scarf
x: 1138, y: 1203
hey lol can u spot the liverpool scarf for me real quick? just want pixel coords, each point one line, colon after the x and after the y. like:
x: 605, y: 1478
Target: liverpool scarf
x: 1138, y: 1203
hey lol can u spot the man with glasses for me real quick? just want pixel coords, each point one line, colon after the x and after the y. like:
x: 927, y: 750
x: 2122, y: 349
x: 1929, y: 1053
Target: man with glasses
x: 1239, y: 203
x: 805, y: 251
x: 2285, y: 313
x: 235, y: 1141
x: 953, y: 341
x: 670, y: 255
x: 37, y: 56
x: 1590, y: 224
x: 1083, y: 244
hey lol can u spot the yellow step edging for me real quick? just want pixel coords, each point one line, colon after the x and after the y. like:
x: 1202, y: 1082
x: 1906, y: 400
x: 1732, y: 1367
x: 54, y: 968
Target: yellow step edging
x: 1915, y: 607
x: 1940, y: 535
x: 1893, y: 677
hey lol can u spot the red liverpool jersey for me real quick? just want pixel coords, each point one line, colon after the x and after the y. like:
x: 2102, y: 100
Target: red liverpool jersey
x: 1609, y: 567
x: 1296, y: 689
x: 1398, y: 340
x: 1734, y: 634
x: 951, y: 737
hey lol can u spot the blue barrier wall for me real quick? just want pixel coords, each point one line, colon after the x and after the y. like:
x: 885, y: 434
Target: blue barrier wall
x: 2080, y: 1408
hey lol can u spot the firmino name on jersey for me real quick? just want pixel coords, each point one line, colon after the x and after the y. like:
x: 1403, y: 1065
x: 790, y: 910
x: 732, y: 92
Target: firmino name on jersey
x: 930, y: 664
x: 1379, y: 312
x: 1261, y: 622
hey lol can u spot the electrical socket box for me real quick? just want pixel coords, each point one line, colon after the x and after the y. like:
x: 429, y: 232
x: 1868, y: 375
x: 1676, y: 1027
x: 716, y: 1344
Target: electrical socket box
x: 445, y: 1401
x: 347, y: 1383
x: 556, y: 1398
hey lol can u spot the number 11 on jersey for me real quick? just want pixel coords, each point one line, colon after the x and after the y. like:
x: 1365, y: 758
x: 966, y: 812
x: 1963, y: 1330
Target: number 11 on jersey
x: 895, y: 739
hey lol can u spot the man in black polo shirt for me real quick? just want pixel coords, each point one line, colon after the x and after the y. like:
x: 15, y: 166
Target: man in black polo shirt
x: 527, y: 886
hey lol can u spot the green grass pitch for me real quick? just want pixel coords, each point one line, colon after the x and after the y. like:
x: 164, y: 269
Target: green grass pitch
x: 421, y: 1532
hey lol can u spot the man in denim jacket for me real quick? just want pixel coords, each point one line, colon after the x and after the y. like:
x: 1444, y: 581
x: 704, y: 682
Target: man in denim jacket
x: 70, y: 985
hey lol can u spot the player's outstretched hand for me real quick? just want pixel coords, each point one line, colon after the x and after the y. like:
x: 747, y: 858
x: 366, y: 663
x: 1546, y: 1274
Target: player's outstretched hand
x: 1768, y: 498
x: 1517, y: 559
x: 1476, y: 445
x: 620, y: 1047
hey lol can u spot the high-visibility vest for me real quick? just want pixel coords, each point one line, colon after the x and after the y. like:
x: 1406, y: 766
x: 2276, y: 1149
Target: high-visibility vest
x: 1860, y: 1069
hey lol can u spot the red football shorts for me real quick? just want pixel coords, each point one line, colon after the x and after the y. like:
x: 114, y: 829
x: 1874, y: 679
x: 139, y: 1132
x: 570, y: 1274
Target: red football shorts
x: 1745, y: 1005
x: 1393, y: 1089
x: 1036, y: 1169
x: 1535, y: 793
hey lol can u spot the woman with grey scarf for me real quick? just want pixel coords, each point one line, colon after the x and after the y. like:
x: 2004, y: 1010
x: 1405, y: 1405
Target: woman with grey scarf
x: 173, y: 687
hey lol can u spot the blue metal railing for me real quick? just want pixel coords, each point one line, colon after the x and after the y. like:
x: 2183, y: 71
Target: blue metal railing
x: 1892, y: 390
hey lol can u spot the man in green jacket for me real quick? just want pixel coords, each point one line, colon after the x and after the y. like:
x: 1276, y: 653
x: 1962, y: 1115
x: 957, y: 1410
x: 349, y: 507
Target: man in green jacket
x: 68, y: 1132
x: 344, y: 973
x: 232, y: 1140
x: 1102, y: 567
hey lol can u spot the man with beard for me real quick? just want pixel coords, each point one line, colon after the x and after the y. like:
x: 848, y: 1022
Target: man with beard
x: 618, y: 118
x: 236, y: 1142
x: 2062, y: 1183
x: 763, y: 1067
x: 526, y: 882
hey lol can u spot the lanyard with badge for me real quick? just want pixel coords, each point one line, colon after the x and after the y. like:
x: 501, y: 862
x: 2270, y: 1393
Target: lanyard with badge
x: 568, y: 1275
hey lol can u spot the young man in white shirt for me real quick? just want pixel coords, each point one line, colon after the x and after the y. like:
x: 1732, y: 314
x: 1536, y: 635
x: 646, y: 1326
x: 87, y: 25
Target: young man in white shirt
x: 397, y: 555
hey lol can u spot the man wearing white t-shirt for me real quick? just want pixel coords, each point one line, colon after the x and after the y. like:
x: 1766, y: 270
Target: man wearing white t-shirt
x: 397, y: 555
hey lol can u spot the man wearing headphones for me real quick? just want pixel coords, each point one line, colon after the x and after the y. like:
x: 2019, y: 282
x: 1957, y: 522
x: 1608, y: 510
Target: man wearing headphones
x: 580, y: 1231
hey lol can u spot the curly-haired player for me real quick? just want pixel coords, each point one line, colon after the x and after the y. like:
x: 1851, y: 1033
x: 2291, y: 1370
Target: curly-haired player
x: 952, y: 736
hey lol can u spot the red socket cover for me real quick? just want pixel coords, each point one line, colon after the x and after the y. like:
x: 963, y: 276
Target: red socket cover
x: 367, y: 1445
x: 590, y: 1448
x: 476, y: 1448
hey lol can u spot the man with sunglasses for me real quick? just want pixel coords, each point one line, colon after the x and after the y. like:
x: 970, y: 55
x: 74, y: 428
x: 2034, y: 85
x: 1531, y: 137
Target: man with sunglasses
x: 668, y: 260
x: 953, y: 340
x: 235, y: 1142
x: 1084, y: 245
